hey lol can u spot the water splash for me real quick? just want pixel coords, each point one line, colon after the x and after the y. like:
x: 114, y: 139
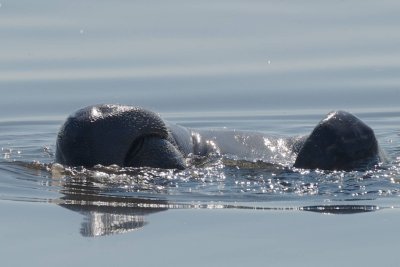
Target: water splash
x: 219, y: 179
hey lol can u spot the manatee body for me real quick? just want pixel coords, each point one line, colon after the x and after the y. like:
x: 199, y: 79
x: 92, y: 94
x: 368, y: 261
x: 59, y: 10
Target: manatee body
x: 132, y: 136
x: 341, y: 141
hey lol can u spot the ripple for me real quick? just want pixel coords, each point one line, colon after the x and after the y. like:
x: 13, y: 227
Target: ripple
x: 29, y: 174
x: 215, y: 179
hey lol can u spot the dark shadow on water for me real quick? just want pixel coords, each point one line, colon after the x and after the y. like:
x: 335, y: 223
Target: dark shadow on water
x: 341, y: 209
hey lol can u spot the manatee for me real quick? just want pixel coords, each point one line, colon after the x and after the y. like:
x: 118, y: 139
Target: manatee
x: 341, y: 141
x: 135, y: 137
x: 115, y: 134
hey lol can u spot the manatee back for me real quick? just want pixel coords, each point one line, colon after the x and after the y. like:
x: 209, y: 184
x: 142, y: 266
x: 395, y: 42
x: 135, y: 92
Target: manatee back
x: 341, y: 141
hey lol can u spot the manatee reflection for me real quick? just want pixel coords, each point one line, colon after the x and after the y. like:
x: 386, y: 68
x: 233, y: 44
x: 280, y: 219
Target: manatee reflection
x: 100, y: 224
x: 105, y: 212
x: 103, y: 218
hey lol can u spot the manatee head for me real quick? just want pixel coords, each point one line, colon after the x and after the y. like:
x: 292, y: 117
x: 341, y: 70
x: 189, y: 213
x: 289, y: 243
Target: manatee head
x: 115, y: 134
x: 340, y: 141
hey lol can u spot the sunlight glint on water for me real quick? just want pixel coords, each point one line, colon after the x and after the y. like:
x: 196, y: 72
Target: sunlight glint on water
x: 265, y: 66
x: 211, y: 179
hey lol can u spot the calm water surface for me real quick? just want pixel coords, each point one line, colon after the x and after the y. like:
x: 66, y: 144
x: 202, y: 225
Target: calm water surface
x: 28, y: 174
x: 275, y: 67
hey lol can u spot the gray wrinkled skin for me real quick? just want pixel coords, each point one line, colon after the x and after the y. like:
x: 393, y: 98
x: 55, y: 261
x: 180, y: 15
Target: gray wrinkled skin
x: 131, y: 136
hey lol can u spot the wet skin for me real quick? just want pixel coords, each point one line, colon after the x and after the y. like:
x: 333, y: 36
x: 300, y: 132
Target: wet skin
x: 132, y: 136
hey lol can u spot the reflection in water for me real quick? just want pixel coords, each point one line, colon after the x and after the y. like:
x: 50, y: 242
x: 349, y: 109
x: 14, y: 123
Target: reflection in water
x: 341, y: 209
x: 99, y: 224
x: 110, y: 206
x: 106, y: 220
x: 111, y: 215
x: 104, y: 214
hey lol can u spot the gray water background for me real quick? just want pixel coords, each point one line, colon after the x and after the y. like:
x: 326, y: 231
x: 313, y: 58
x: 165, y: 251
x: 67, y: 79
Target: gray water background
x: 184, y: 56
x: 275, y: 67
